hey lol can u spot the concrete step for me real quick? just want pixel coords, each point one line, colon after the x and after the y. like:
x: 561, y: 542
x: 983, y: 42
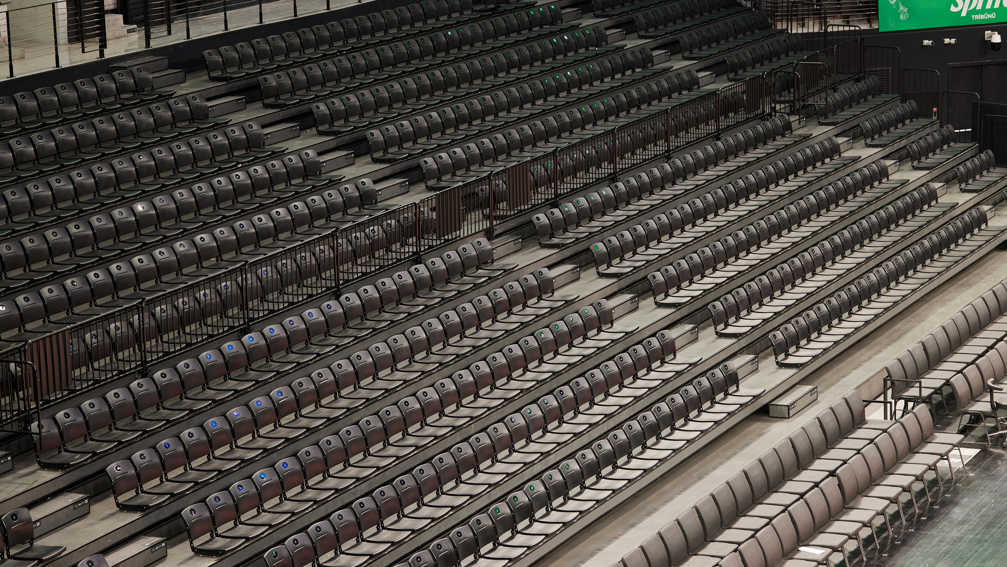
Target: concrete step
x: 332, y: 161
x: 140, y: 552
x: 149, y: 63
x: 281, y: 132
x: 392, y: 188
x: 505, y: 245
x: 615, y: 36
x: 59, y: 511
x: 225, y: 105
x: 167, y: 78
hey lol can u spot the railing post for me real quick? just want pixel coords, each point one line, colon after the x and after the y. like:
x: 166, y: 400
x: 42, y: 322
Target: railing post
x: 225, y: 15
x: 10, y: 48
x: 167, y: 15
x: 884, y: 399
x: 146, y: 23
x: 615, y: 151
x: 335, y: 252
x: 554, y: 174
x: 492, y: 208
x: 295, y: 8
x: 144, y: 359
x: 188, y: 30
x: 716, y: 110
x: 102, y: 30
x: 80, y: 24
x: 418, y: 227
x: 246, y: 322
x: 666, y: 118
x: 55, y: 35
x: 260, y: 11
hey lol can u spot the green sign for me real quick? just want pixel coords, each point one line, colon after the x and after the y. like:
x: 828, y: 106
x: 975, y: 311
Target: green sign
x: 898, y: 15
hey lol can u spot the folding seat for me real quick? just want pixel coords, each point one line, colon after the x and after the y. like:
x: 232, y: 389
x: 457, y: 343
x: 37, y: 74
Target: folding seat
x: 19, y: 540
x: 127, y: 484
x: 203, y: 538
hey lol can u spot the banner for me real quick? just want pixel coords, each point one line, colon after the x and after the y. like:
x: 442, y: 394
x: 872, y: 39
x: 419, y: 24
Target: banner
x: 897, y: 15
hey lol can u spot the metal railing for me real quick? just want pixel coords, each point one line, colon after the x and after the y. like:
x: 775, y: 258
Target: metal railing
x: 134, y: 336
x: 923, y: 86
x: 51, y: 35
x: 169, y: 21
x: 57, y: 33
x: 817, y: 16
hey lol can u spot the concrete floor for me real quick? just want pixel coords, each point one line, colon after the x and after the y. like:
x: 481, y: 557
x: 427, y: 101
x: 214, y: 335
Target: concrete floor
x: 970, y: 531
x: 606, y: 541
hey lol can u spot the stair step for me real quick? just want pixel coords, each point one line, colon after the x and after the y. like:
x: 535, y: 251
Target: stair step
x: 150, y: 63
x: 393, y: 188
x: 139, y: 552
x: 505, y: 245
x: 623, y: 304
x: 59, y: 511
x: 563, y: 274
x: 167, y: 78
x: 281, y: 132
x: 614, y: 36
x: 572, y: 14
x: 336, y: 160
x: 225, y: 105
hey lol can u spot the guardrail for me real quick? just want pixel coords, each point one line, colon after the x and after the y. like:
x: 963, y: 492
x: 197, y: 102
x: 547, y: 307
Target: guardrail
x: 57, y: 33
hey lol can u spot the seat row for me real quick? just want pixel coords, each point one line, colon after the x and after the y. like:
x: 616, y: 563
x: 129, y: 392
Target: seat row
x: 64, y: 146
x: 339, y: 115
x: 105, y: 92
x: 800, y: 340
x: 234, y: 61
x: 848, y: 95
x: 684, y: 279
x: 922, y: 372
x: 669, y: 18
x: 122, y: 414
x: 764, y: 56
x: 629, y: 249
x: 60, y: 249
x: 263, y: 290
x: 580, y: 167
x: 497, y: 108
x: 68, y: 435
x: 933, y: 149
x: 889, y: 125
x: 122, y: 172
x: 246, y: 432
x: 725, y: 35
x: 545, y: 504
x: 168, y: 266
x: 301, y: 84
x: 839, y: 485
x: 413, y: 422
x: 745, y: 307
x: 572, y: 220
x: 978, y: 172
x: 523, y: 437
x: 472, y: 160
x: 977, y: 393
